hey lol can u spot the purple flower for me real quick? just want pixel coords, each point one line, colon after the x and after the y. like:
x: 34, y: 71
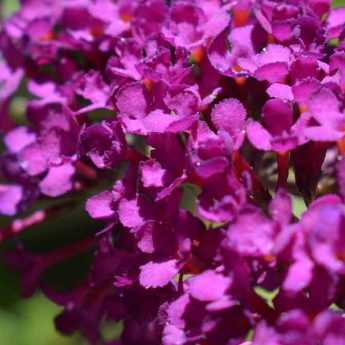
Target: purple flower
x: 272, y: 64
x: 169, y: 121
x: 279, y: 133
x: 324, y: 108
x: 92, y: 87
x: 229, y: 116
x: 153, y: 275
x: 190, y: 26
x: 103, y: 143
x: 10, y: 198
x: 199, y: 286
x: 242, y: 237
x: 295, y: 326
x: 9, y: 81
x: 335, y: 23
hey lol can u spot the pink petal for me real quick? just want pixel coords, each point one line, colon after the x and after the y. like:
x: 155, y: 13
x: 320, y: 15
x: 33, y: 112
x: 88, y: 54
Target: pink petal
x: 153, y: 275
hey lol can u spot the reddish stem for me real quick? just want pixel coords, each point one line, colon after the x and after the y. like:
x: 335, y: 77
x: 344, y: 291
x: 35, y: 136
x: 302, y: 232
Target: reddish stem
x: 341, y: 146
x: 134, y: 156
x: 69, y: 251
x: 19, y: 225
x: 259, y: 306
x: 86, y: 171
x: 241, y: 166
x: 283, y: 169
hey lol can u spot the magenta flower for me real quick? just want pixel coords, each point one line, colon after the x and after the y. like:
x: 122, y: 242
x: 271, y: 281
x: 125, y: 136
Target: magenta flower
x: 280, y: 134
x: 167, y: 122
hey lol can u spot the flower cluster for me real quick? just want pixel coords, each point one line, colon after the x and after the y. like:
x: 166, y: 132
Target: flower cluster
x: 191, y: 126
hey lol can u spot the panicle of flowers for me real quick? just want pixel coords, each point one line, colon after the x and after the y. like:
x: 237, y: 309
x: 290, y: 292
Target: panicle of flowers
x: 188, y: 128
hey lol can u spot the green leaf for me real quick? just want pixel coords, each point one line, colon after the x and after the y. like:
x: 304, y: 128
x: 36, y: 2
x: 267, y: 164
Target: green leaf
x: 9, y: 7
x: 267, y: 295
x: 338, y: 3
x: 298, y: 206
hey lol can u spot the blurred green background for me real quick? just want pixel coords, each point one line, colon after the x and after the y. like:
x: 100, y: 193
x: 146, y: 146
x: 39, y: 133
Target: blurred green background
x: 338, y: 3
x: 29, y: 322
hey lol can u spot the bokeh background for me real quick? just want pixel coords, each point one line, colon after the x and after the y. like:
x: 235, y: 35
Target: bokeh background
x: 29, y: 322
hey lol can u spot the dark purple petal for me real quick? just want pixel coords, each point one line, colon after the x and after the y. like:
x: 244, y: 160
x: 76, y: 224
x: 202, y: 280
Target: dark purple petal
x: 277, y: 116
